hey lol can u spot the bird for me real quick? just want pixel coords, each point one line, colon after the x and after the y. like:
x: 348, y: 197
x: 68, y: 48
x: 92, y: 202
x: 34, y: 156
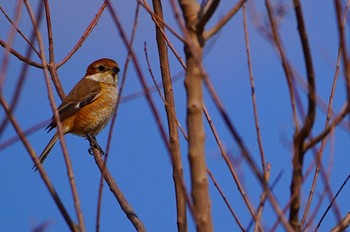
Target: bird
x: 88, y: 107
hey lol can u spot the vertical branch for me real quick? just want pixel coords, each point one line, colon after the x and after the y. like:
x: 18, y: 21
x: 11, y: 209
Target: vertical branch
x: 343, y: 48
x: 196, y: 134
x: 11, y: 37
x: 126, y: 207
x: 52, y: 67
x: 121, y: 88
x: 323, y: 143
x: 172, y: 121
x: 251, y: 78
x: 41, y: 170
x: 24, y: 69
x: 56, y: 117
x: 300, y: 136
x: 285, y: 63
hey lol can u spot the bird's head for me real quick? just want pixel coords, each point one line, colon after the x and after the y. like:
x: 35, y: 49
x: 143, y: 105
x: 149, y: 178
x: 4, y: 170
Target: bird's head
x: 103, y: 70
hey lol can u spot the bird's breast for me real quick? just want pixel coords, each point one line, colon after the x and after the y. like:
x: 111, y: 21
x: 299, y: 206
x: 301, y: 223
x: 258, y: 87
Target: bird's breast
x: 94, y: 117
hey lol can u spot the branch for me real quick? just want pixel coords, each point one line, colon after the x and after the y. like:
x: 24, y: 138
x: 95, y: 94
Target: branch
x: 208, y: 34
x: 56, y: 117
x: 109, y: 142
x: 342, y: 225
x: 194, y: 119
x: 346, y: 219
x: 174, y: 143
x: 327, y: 130
x: 113, y: 187
x: 87, y: 32
x: 206, y: 13
x: 49, y: 31
x: 41, y: 170
x: 303, y: 133
x: 21, y: 57
x: 343, y: 48
x: 30, y: 42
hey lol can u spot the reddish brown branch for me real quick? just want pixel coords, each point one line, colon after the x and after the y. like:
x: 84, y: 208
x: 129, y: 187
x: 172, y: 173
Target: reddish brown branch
x: 127, y: 209
x: 56, y: 117
x: 229, y: 165
x: 41, y: 170
x: 29, y: 42
x: 253, y: 94
x: 174, y: 143
x: 343, y: 47
x: 206, y: 13
x: 109, y: 142
x: 86, y: 34
x: 224, y: 20
x: 21, y: 57
x: 301, y: 135
x: 226, y: 200
x: 10, y: 41
x: 196, y: 134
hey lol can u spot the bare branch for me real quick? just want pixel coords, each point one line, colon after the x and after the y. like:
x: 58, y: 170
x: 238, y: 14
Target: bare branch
x: 174, y: 143
x: 207, y: 12
x: 41, y: 170
x: 86, y: 34
x: 224, y: 20
x: 30, y: 43
x: 58, y: 122
x: 128, y: 210
x: 301, y: 135
x: 343, y: 48
x: 342, y: 225
x: 21, y: 57
x: 109, y: 142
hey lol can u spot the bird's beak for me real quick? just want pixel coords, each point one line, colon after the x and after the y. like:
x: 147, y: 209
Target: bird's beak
x: 115, y: 70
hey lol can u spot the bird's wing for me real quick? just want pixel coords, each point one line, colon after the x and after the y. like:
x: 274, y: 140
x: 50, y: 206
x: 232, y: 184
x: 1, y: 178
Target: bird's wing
x: 84, y: 93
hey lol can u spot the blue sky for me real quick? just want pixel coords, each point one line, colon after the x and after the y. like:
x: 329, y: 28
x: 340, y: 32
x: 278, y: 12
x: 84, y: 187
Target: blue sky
x: 138, y: 159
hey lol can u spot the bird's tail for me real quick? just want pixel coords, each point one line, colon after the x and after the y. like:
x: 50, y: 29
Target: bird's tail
x: 47, y: 150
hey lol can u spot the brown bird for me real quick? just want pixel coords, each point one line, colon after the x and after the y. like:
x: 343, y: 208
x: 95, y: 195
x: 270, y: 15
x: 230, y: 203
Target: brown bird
x: 90, y: 104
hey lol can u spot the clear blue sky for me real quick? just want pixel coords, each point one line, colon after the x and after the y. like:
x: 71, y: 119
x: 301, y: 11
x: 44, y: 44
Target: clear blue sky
x: 138, y: 159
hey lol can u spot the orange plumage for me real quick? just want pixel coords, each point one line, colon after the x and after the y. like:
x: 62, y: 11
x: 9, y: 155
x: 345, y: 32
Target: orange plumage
x: 91, y: 103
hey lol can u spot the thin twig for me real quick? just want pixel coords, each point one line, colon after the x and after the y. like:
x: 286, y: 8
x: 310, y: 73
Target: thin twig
x: 301, y: 135
x: 332, y: 202
x: 226, y: 201
x: 41, y: 170
x: 323, y: 144
x: 159, y: 21
x: 178, y: 124
x: 253, y: 94
x: 23, y: 73
x: 20, y: 56
x: 208, y: 34
x: 10, y: 40
x: 229, y: 165
x: 128, y: 210
x: 85, y: 35
x: 207, y: 12
x: 29, y: 42
x: 180, y: 192
x: 56, y: 117
x: 109, y: 142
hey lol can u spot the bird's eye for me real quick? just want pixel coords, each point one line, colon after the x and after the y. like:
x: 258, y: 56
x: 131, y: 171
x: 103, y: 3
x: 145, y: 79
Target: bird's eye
x: 101, y: 68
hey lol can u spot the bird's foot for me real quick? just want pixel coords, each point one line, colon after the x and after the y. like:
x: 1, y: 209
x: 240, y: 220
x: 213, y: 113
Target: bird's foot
x: 94, y: 145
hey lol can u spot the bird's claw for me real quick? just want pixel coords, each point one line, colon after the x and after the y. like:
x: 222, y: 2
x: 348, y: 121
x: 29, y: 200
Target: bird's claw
x: 91, y: 149
x: 93, y: 145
